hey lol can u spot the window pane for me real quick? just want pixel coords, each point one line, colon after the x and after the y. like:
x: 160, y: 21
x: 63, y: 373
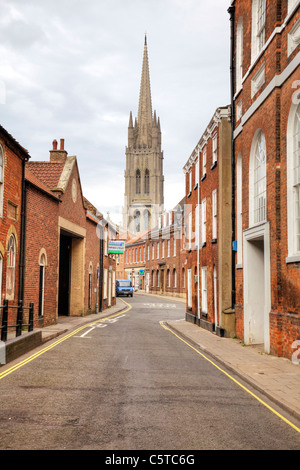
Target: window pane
x: 260, y: 180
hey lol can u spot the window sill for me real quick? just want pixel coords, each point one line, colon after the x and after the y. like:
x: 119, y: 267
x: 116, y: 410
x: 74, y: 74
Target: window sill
x: 214, y: 240
x: 203, y: 177
x: 292, y: 259
x: 189, y: 195
x: 214, y: 165
x: 203, y: 244
x: 196, y: 186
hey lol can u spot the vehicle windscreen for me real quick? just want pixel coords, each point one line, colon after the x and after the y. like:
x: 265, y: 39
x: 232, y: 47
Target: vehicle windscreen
x: 124, y: 283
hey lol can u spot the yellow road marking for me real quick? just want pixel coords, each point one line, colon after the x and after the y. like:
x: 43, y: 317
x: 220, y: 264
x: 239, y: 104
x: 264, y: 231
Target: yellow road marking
x: 51, y: 346
x: 232, y: 378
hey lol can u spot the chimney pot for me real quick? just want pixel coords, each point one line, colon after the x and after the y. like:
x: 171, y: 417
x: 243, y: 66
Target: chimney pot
x: 54, y: 143
x: 62, y: 144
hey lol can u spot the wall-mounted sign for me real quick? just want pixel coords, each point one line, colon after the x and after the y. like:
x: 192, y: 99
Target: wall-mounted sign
x: 116, y: 247
x: 142, y: 272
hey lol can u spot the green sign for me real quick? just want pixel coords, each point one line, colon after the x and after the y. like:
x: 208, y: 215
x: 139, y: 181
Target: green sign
x: 116, y: 247
x: 142, y: 272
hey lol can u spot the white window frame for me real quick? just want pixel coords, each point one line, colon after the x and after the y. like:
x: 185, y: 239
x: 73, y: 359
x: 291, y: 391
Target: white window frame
x: 215, y: 148
x: 168, y: 248
x: 204, y: 289
x: 258, y: 180
x: 239, y: 55
x: 105, y: 283
x: 204, y: 158
x: 190, y: 181
x: 197, y: 225
x: 258, y: 27
x: 163, y: 248
x: 157, y: 248
x: 174, y: 246
x: 214, y: 214
x: 174, y: 278
x: 196, y: 173
x: 203, y: 221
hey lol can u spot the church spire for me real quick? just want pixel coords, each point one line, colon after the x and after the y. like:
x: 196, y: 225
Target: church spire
x: 145, y: 105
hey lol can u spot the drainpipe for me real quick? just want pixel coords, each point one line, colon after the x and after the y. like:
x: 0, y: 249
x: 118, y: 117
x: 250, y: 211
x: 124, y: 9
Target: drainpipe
x: 198, y: 247
x: 101, y: 268
x: 231, y: 11
x: 22, y: 234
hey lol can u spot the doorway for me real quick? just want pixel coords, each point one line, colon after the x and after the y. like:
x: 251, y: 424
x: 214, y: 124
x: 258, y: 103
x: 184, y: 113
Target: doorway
x: 65, y: 249
x: 257, y: 289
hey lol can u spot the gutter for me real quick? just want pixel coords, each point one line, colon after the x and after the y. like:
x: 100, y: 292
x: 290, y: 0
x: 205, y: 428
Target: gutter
x: 23, y: 234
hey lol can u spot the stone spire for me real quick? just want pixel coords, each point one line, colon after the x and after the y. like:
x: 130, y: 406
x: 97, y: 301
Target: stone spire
x: 145, y: 105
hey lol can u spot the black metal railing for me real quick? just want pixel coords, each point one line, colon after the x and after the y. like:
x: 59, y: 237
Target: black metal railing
x: 19, y: 318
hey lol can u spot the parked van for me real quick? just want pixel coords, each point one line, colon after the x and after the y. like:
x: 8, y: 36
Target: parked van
x: 124, y: 287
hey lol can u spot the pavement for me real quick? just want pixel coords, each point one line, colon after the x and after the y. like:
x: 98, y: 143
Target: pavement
x: 276, y: 377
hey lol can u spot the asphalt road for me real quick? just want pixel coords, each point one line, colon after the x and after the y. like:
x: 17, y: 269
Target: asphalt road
x: 128, y: 383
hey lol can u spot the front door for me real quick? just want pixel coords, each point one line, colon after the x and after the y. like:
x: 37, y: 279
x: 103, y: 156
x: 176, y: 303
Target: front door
x: 64, y: 275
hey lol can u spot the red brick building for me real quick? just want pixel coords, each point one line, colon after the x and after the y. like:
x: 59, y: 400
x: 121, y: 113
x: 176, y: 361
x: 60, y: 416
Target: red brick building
x: 207, y: 222
x: 68, y: 270
x: 135, y: 260
x: 265, y: 100
x: 12, y: 168
x: 165, y: 255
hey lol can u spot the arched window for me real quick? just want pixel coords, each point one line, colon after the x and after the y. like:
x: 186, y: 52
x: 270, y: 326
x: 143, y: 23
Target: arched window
x: 293, y: 180
x: 169, y: 278
x: 11, y: 267
x: 147, y: 181
x: 1, y: 180
x: 42, y: 284
x: 174, y: 278
x: 138, y: 182
x: 257, y: 180
x: 137, y: 220
x: 146, y: 219
x: 153, y: 279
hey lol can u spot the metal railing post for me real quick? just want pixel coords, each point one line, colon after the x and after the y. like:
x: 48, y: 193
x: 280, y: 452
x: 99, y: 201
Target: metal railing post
x: 31, y: 312
x: 4, y: 320
x: 19, y: 318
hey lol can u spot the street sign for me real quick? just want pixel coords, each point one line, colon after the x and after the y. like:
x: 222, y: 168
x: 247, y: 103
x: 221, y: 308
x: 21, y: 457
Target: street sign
x: 116, y: 247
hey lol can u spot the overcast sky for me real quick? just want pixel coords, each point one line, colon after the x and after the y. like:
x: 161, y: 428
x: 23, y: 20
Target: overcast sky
x: 71, y: 69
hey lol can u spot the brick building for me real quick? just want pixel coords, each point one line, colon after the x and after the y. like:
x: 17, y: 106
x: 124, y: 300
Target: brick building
x: 165, y: 255
x: 13, y: 158
x: 266, y: 124
x: 207, y: 222
x: 135, y: 260
x: 66, y: 243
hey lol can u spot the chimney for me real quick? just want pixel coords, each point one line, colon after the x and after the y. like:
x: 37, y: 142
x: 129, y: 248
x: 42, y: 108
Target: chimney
x: 58, y: 156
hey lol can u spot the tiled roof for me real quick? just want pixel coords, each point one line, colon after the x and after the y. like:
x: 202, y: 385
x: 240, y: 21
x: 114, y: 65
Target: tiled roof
x: 47, y: 172
x: 31, y: 177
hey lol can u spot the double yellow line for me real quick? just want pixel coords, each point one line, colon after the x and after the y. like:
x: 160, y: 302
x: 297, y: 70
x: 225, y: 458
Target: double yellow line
x: 56, y: 343
x: 233, y: 379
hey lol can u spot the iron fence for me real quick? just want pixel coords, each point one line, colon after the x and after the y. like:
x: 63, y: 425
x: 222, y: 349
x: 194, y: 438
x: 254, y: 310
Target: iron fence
x: 19, y: 318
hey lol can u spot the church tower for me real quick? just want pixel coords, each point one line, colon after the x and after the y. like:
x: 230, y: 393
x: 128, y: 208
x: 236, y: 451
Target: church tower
x: 144, y: 181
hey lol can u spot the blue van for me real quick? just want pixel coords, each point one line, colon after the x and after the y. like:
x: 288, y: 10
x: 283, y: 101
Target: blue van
x: 124, y: 287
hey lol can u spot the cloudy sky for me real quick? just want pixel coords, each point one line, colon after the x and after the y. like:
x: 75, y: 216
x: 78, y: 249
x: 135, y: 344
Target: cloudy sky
x: 71, y: 69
